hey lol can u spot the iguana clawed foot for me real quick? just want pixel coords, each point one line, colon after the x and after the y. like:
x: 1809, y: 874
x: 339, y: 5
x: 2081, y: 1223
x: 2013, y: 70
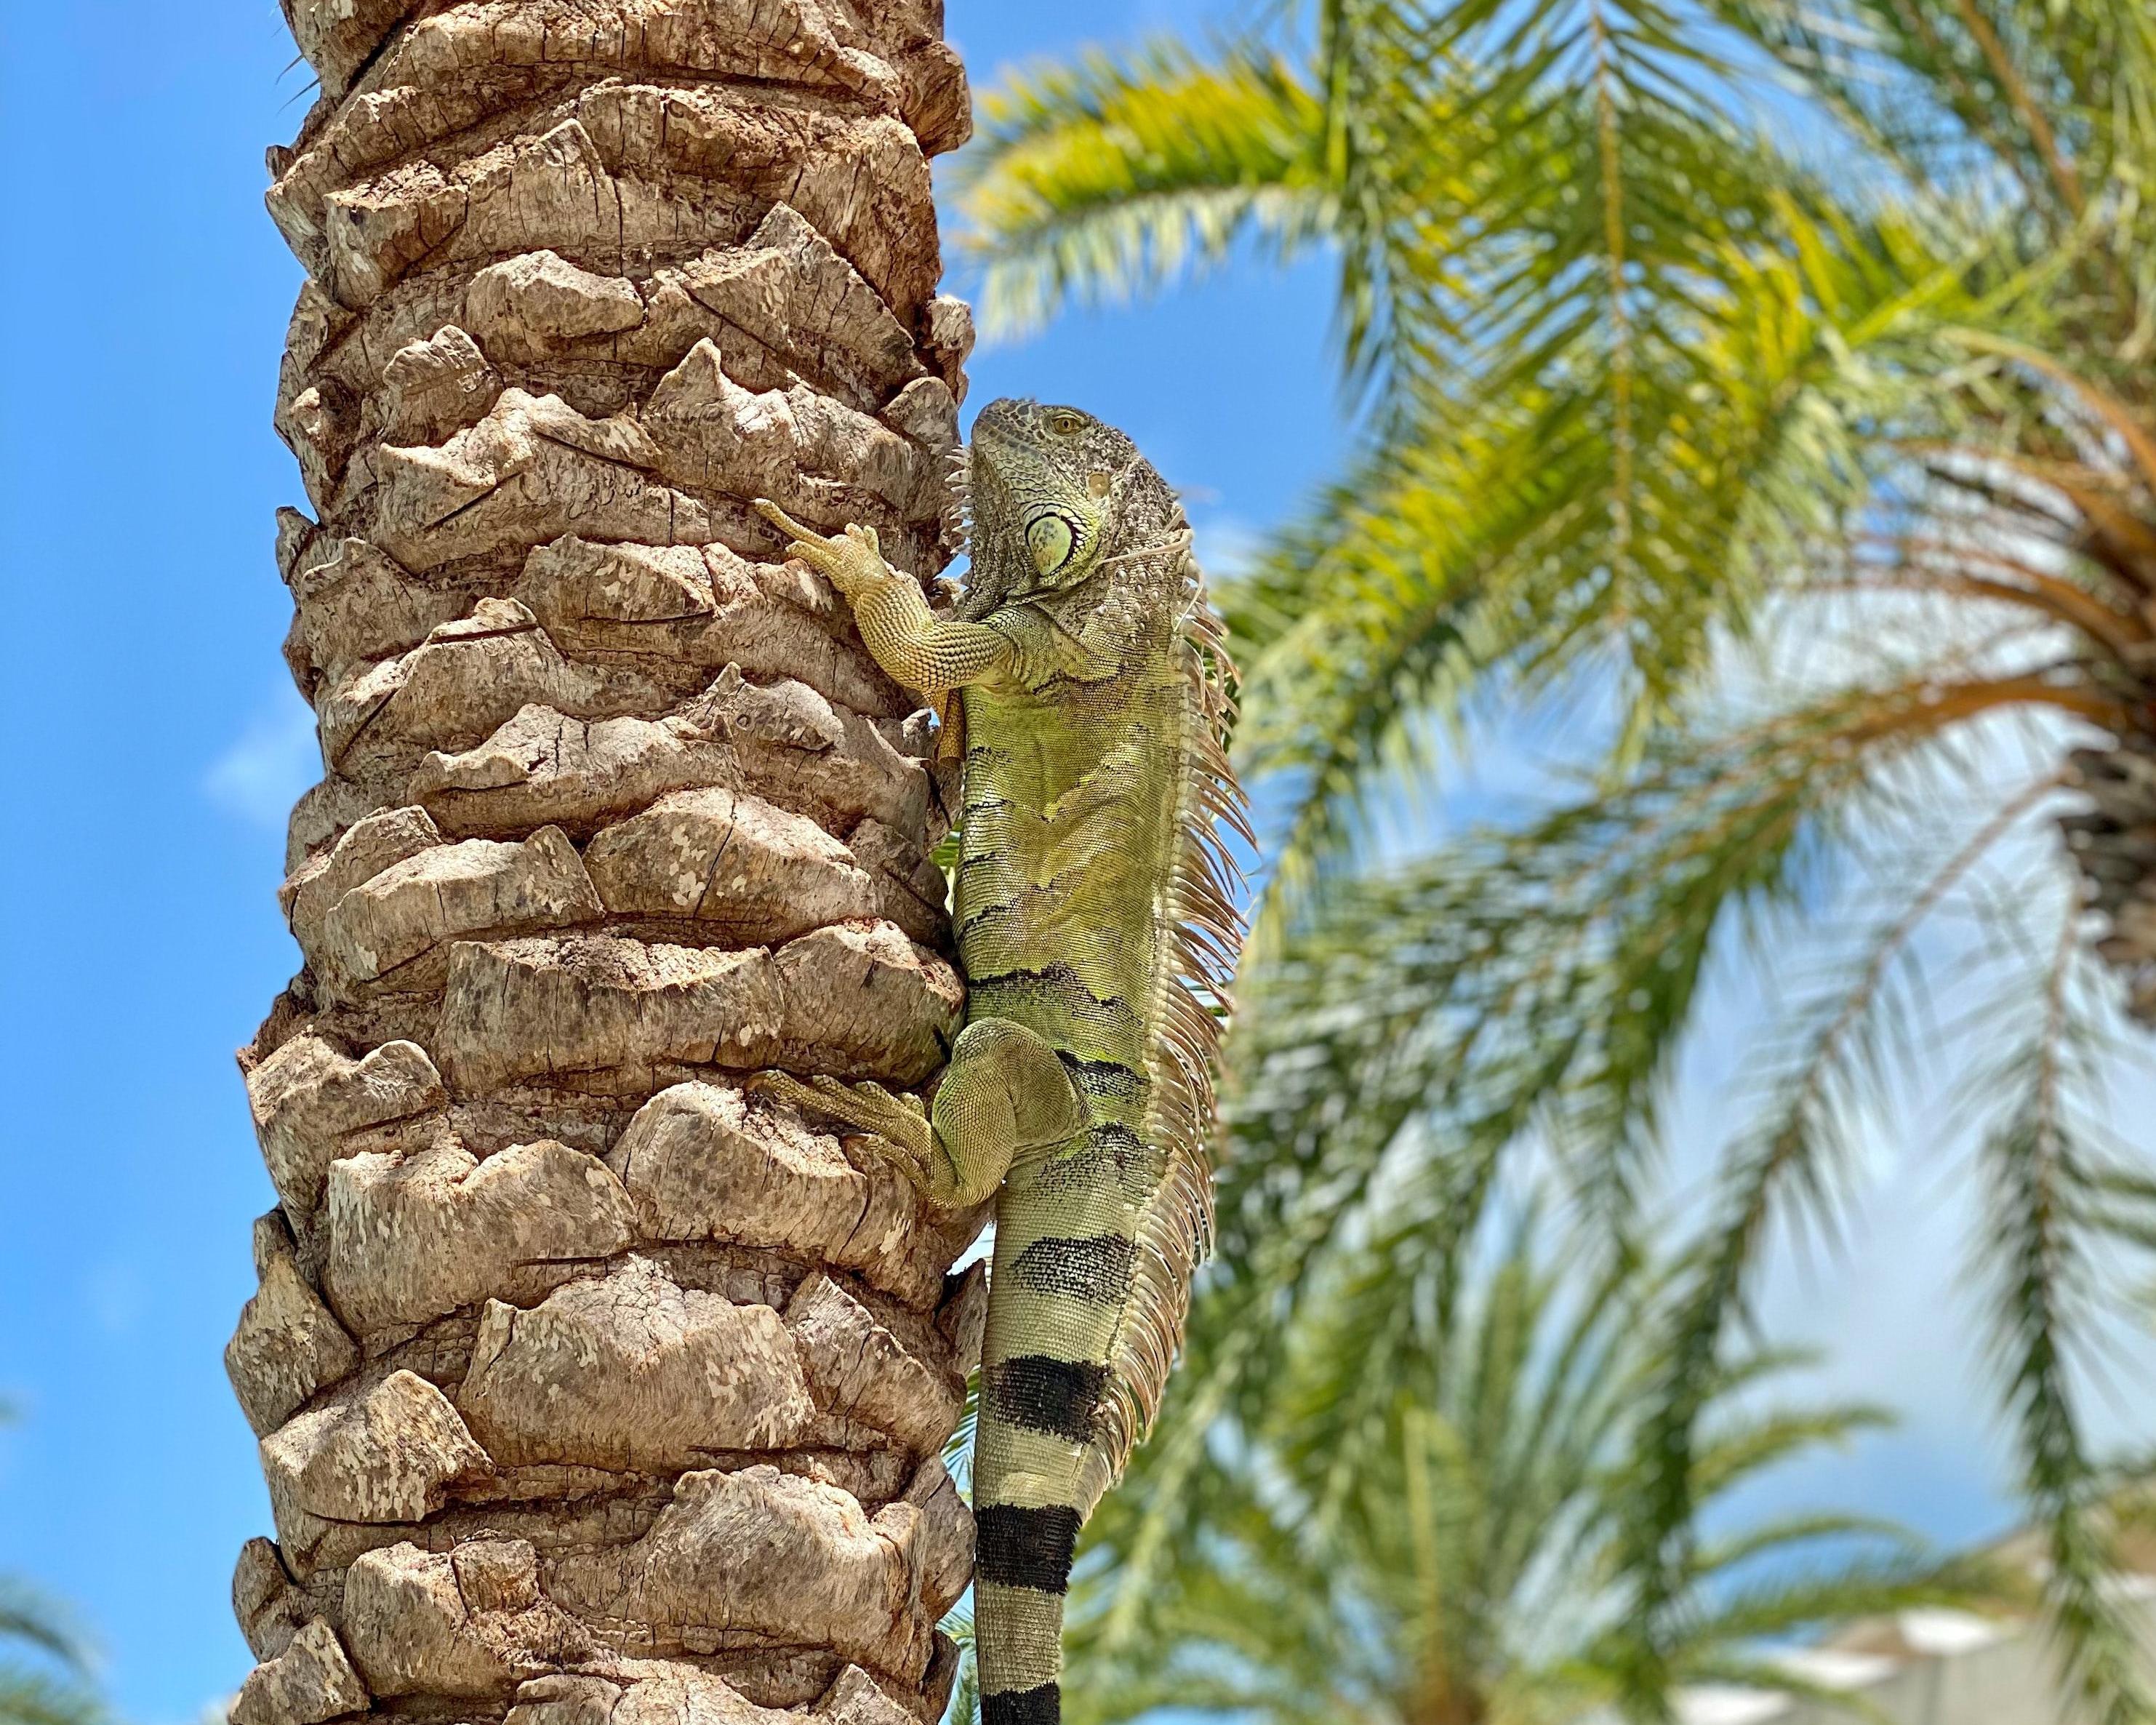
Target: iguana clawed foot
x: 899, y: 1130
x: 853, y: 560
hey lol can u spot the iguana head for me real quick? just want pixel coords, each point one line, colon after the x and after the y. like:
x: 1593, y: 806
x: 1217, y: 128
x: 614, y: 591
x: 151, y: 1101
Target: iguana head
x: 1051, y: 490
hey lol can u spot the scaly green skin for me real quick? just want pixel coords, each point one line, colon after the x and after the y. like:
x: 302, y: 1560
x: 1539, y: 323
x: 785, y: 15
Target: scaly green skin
x: 1097, y: 928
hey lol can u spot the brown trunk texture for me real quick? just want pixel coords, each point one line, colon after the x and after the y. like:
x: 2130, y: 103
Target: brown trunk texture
x: 2113, y: 843
x: 592, y: 1387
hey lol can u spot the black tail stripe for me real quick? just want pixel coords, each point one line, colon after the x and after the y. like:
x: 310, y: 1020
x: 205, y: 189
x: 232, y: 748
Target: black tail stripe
x: 1096, y: 1268
x: 1027, y: 1547
x: 1024, y: 1706
x: 1055, y: 1396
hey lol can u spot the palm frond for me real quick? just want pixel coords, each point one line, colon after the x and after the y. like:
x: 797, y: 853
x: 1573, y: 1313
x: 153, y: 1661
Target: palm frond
x: 35, y: 1697
x: 1479, y: 560
x: 30, y: 1620
x: 2036, y: 1249
x: 1472, y: 1566
x: 54, y: 1688
x: 1797, y: 1154
x: 1113, y: 176
x: 965, y: 1706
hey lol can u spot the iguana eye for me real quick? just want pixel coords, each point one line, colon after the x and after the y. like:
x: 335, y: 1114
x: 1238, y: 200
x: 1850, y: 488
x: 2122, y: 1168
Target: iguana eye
x: 1050, y: 539
x: 1065, y: 423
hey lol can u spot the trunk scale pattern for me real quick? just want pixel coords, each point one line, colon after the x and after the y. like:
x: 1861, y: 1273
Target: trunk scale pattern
x: 2112, y: 840
x: 592, y: 1388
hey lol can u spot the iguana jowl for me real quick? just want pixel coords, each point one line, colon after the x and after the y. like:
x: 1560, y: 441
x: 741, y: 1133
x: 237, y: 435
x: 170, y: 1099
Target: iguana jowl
x: 1098, y: 929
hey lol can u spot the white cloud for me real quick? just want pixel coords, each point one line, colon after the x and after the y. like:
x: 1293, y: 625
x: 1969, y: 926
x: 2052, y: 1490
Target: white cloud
x: 274, y: 760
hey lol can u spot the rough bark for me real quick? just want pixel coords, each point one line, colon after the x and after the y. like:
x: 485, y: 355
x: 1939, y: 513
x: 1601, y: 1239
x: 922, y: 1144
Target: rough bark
x: 2112, y: 841
x: 591, y: 1387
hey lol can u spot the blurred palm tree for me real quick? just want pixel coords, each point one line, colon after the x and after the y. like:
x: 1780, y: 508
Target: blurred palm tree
x: 44, y: 1666
x: 1462, y: 1558
x: 1763, y: 388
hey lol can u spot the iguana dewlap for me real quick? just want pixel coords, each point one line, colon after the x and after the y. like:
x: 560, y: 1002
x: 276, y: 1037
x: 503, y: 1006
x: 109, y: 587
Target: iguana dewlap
x: 1098, y: 931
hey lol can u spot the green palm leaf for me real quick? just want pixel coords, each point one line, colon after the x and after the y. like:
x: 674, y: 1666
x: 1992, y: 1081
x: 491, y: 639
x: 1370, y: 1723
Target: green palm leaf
x: 50, y: 1684
x: 1110, y: 177
x: 1474, y: 1565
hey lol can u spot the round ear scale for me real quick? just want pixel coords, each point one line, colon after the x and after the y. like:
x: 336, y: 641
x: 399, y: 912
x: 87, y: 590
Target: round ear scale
x: 1050, y: 539
x: 1097, y: 486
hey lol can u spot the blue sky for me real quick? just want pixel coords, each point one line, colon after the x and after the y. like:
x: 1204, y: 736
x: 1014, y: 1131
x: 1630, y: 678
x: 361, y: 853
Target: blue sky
x: 156, y: 743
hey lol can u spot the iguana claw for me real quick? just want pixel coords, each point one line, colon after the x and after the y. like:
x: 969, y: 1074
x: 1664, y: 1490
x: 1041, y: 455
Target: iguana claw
x: 852, y: 560
x: 898, y: 1130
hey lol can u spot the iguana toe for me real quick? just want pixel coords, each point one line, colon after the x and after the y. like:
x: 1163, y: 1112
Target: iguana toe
x: 897, y: 1125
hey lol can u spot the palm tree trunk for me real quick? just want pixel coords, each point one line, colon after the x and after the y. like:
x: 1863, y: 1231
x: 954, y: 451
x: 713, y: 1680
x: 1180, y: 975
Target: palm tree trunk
x: 591, y: 1386
x: 2113, y: 841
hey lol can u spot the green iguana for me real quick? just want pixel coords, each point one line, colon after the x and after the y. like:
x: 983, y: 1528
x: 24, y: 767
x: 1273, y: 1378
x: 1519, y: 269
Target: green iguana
x: 1098, y: 929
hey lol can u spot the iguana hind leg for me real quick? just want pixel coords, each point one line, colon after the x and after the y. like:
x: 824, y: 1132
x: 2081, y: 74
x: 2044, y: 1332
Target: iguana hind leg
x: 1005, y: 1094
x: 907, y: 1140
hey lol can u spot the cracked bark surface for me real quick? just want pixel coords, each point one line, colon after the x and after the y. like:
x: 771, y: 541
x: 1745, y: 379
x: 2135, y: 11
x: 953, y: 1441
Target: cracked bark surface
x: 592, y: 1388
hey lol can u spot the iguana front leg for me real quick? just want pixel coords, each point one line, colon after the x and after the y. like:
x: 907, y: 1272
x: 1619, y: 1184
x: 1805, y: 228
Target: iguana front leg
x: 922, y: 651
x: 1005, y: 1095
